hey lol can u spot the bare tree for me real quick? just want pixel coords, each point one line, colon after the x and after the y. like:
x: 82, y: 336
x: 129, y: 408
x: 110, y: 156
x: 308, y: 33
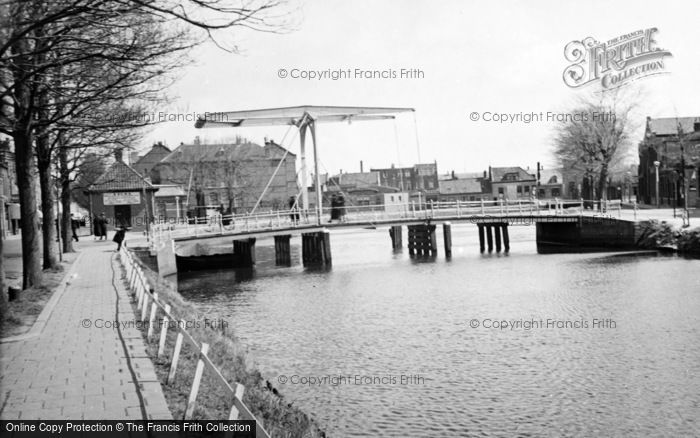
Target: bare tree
x: 129, y: 46
x: 595, y: 137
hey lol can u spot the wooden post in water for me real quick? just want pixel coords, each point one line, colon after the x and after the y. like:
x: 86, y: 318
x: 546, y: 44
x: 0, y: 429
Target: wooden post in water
x: 396, y: 238
x: 506, y: 238
x: 433, y: 240
x: 316, y: 248
x: 244, y: 251
x: 283, y: 254
x: 411, y: 240
x: 447, y: 236
x: 481, y: 237
x: 497, y: 235
x: 489, y: 239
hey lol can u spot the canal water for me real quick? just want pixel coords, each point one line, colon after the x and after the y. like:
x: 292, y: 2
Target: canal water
x: 518, y: 344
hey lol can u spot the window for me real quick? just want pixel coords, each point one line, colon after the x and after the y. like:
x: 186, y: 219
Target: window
x: 527, y: 189
x: 399, y: 197
x: 500, y: 190
x: 519, y: 189
x: 214, y: 199
x: 391, y: 198
x: 510, y: 177
x: 556, y: 192
x: 552, y: 180
x: 541, y: 193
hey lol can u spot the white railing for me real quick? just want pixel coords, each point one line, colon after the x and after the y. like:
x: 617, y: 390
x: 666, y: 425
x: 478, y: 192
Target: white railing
x: 375, y: 214
x: 142, y: 292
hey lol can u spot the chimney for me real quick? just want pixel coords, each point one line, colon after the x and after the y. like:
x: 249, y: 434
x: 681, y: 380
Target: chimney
x: 453, y: 174
x: 484, y: 174
x: 361, y: 167
x: 118, y: 154
x: 489, y: 173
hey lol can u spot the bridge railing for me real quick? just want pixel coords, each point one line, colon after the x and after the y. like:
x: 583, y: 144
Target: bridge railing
x: 370, y: 214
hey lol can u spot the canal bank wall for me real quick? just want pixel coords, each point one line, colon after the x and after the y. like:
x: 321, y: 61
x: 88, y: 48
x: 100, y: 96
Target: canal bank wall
x: 276, y: 414
x: 605, y: 234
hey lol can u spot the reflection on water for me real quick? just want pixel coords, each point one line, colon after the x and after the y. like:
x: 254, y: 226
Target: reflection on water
x: 380, y: 314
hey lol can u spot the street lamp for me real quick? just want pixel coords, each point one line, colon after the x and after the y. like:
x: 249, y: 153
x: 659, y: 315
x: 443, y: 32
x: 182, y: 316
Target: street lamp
x: 656, y: 166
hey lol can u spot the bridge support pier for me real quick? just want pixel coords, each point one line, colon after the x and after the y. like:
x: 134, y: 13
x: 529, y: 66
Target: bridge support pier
x: 497, y: 236
x: 481, y: 237
x: 447, y: 237
x: 283, y: 254
x: 506, y: 238
x: 244, y: 251
x: 396, y: 238
x: 422, y: 240
x: 316, y: 248
x: 489, y: 239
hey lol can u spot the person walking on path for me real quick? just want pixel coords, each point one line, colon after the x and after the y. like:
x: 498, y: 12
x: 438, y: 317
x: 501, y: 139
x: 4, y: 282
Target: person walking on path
x: 74, y: 227
x: 101, y: 227
x: 119, y: 237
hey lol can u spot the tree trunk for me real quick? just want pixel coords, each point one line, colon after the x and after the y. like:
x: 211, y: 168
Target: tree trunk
x: 67, y: 226
x: 29, y: 222
x: 48, y: 224
x: 3, y: 286
x: 603, y: 183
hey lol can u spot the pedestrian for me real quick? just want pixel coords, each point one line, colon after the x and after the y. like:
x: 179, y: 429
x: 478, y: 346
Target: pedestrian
x: 293, y: 210
x: 119, y: 237
x: 334, y: 208
x: 340, y: 205
x: 101, y: 227
x: 74, y: 226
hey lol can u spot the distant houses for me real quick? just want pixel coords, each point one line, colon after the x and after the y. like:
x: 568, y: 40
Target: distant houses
x: 672, y: 142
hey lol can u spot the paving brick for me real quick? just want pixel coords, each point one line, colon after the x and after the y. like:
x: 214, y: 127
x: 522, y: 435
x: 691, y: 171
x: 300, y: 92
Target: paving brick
x: 73, y: 372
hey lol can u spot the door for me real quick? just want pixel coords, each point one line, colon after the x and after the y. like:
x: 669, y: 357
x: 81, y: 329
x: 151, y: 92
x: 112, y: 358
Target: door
x: 122, y: 215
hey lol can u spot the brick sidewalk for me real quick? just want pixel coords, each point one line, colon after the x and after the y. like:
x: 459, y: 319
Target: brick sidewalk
x: 72, y: 372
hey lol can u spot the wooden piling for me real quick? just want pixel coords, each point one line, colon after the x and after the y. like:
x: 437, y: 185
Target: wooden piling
x: 396, y: 238
x: 244, y: 251
x: 422, y: 240
x: 497, y: 236
x: 316, y: 248
x: 481, y: 237
x: 283, y: 254
x: 489, y: 239
x: 447, y: 237
x: 506, y: 238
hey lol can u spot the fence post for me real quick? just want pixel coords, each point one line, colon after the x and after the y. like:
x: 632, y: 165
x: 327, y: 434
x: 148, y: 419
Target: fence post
x: 144, y: 309
x: 163, y: 331
x: 237, y: 394
x: 195, y: 383
x: 152, y: 318
x: 176, y: 357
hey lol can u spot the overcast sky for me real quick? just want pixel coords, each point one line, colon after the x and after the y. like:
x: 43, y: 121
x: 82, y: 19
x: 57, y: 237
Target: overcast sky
x: 496, y: 56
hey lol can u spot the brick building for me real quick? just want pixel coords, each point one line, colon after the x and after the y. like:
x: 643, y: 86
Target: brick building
x: 229, y: 176
x: 670, y: 141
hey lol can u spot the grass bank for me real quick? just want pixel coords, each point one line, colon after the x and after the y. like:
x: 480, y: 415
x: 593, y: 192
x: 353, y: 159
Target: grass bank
x: 278, y: 416
x: 23, y: 311
x: 656, y: 234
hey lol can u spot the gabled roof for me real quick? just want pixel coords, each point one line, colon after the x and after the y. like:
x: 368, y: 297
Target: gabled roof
x: 498, y: 174
x: 465, y: 185
x: 120, y: 176
x: 224, y: 152
x: 158, y: 149
x: 669, y: 125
